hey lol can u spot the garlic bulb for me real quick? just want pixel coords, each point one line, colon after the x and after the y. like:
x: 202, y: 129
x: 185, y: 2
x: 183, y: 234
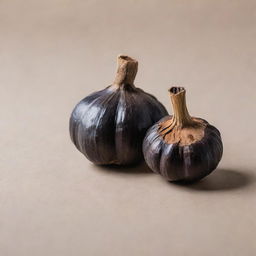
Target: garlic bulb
x: 108, y: 126
x: 181, y: 147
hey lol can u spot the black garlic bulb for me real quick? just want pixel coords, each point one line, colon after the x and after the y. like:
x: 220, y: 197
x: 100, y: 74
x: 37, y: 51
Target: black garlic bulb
x: 108, y: 126
x: 181, y: 147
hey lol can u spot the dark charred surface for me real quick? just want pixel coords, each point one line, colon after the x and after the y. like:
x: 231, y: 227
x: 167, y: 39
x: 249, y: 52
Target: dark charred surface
x: 182, y: 163
x: 108, y: 126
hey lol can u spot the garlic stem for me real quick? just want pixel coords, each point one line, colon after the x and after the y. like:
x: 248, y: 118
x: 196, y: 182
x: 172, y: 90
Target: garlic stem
x: 126, y: 70
x: 181, y: 116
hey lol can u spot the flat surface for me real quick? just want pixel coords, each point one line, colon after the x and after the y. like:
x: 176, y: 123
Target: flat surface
x: 55, y: 202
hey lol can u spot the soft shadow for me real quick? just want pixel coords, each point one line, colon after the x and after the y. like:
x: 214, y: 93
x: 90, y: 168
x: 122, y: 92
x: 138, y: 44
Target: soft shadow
x: 223, y: 179
x: 141, y: 168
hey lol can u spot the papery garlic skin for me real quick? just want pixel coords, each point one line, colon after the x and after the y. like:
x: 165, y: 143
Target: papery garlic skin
x: 108, y: 126
x: 183, y: 163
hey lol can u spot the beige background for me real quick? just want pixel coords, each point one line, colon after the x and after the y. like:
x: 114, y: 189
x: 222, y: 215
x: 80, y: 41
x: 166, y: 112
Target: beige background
x: 53, y: 201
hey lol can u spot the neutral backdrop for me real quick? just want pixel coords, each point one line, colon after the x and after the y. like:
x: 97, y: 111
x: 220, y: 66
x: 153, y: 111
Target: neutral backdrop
x: 53, y: 53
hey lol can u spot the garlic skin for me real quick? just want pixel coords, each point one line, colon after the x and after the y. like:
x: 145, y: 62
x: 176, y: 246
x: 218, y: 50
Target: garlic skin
x: 108, y: 126
x: 181, y: 147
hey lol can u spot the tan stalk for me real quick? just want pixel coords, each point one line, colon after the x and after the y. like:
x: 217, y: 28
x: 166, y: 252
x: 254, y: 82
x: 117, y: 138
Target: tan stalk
x: 126, y: 70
